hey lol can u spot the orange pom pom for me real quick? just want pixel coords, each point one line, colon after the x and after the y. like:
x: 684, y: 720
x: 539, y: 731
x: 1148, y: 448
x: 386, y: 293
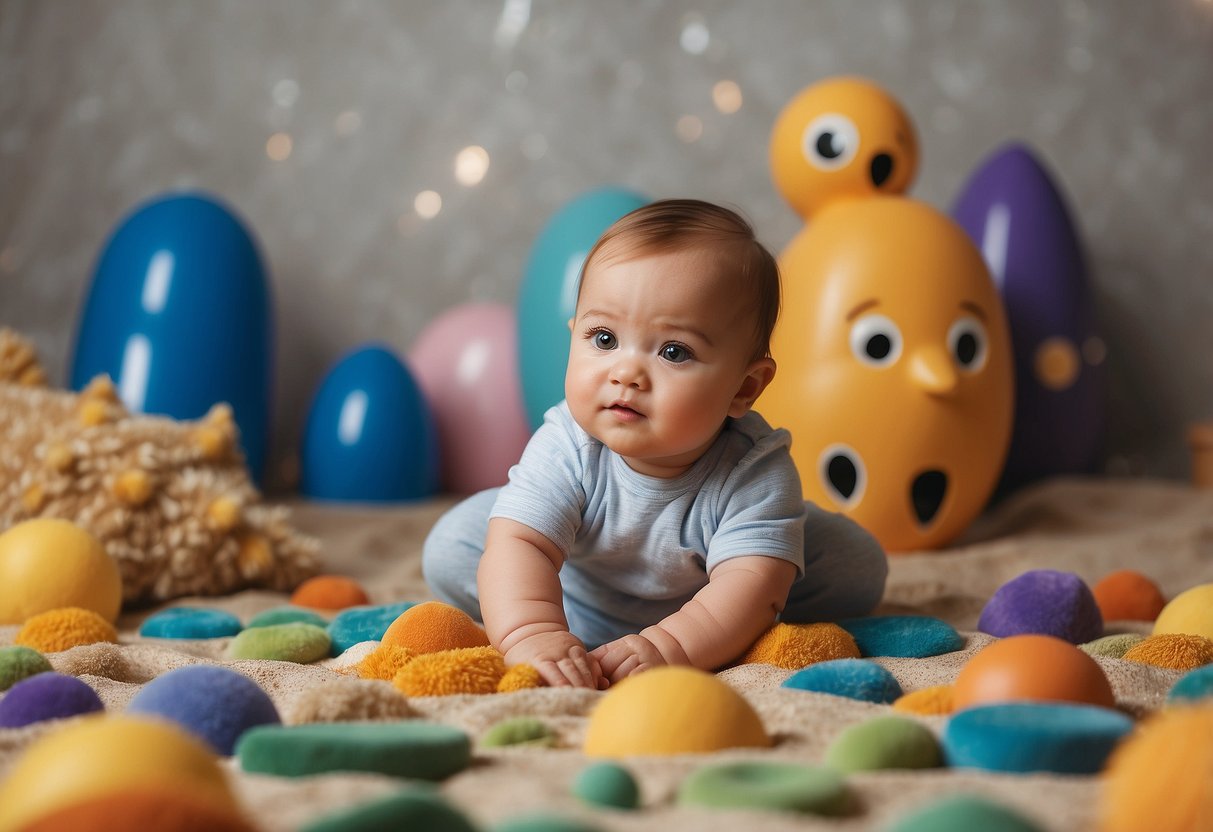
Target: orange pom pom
x: 384, y: 662
x: 434, y: 626
x: 329, y: 592
x: 466, y: 670
x: 793, y: 646
x: 932, y: 701
x: 63, y: 629
x: 519, y: 677
x: 1127, y: 595
x: 1177, y: 651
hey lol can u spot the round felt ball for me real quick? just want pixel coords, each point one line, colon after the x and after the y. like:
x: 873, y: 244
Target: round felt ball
x: 215, y: 704
x: 1188, y: 612
x: 1128, y: 595
x: 905, y: 636
x: 433, y: 627
x: 1045, y: 602
x: 1194, y: 685
x: 190, y: 623
x: 965, y: 813
x: 17, y: 663
x: 48, y: 564
x: 329, y: 592
x: 411, y: 808
x: 852, y: 678
x: 607, y: 784
x: 766, y: 785
x: 152, y: 809
x: 884, y: 742
x: 359, y: 624
x: 1031, y: 667
x: 47, y: 696
x: 287, y: 615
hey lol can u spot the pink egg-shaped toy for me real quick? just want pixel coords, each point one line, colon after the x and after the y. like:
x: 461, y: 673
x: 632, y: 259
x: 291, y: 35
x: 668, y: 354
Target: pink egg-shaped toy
x: 466, y: 362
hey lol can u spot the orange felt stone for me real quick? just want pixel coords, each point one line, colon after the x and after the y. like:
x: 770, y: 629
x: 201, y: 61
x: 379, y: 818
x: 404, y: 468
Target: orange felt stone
x: 1175, y: 651
x: 1033, y: 668
x: 63, y: 629
x: 932, y: 701
x: 329, y: 592
x: 1127, y: 595
x: 434, y: 626
x: 150, y: 808
x: 793, y: 646
x: 519, y: 677
x: 445, y: 673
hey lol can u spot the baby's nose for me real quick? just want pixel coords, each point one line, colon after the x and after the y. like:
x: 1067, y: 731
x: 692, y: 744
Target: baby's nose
x: 628, y: 371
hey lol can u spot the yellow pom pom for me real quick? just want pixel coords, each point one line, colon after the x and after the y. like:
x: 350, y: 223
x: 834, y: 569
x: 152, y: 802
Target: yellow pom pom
x: 932, y: 701
x: 384, y: 662
x: 33, y: 498
x: 1176, y: 651
x: 793, y: 646
x: 434, y: 626
x: 519, y: 677
x: 60, y: 457
x: 465, y: 670
x: 93, y: 412
x: 133, y: 487
x: 255, y: 557
x: 63, y: 629
x: 101, y: 389
x: 224, y: 513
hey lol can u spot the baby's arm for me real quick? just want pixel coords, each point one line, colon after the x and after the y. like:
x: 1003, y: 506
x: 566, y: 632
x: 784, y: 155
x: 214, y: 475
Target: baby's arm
x: 521, y: 603
x: 743, y: 597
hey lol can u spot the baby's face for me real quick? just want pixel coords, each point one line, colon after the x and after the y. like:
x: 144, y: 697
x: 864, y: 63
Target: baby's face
x: 662, y: 351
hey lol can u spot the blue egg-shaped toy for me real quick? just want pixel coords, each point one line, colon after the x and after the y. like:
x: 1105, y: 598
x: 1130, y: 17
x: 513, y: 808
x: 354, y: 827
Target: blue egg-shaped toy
x: 1015, y: 212
x: 370, y: 436
x: 179, y: 315
x: 548, y: 295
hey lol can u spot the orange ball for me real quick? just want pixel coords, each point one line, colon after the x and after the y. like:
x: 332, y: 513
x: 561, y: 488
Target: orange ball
x: 151, y: 808
x: 1031, y: 667
x: 329, y: 592
x: 434, y: 626
x: 1127, y: 595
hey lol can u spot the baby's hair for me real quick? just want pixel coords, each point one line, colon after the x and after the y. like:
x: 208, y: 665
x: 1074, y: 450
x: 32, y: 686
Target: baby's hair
x: 672, y: 224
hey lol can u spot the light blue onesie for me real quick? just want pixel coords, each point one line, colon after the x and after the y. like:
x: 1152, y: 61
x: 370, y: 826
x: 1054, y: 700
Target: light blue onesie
x: 639, y: 547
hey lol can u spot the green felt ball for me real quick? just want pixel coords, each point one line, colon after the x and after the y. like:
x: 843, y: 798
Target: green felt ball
x: 413, y: 808
x: 884, y: 742
x: 287, y: 615
x: 17, y: 663
x: 756, y: 785
x: 965, y: 813
x: 607, y: 784
x: 411, y: 748
x: 520, y: 730
x: 300, y: 643
x: 544, y: 823
x: 1112, y: 647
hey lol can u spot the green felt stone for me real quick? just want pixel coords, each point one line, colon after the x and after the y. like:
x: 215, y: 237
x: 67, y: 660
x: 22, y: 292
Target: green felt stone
x: 413, y: 808
x: 17, y: 663
x: 422, y: 750
x: 757, y: 785
x: 607, y: 784
x: 544, y: 823
x: 520, y: 730
x: 301, y: 643
x: 884, y: 742
x: 1112, y: 647
x: 287, y: 615
x: 964, y: 813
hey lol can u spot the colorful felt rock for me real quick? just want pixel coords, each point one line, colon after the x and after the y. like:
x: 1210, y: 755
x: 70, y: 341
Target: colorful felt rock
x: 544, y: 822
x: 937, y: 700
x: 215, y: 704
x: 964, y: 813
x: 1196, y: 684
x: 476, y: 670
x: 17, y: 663
x: 1128, y: 595
x: 607, y: 784
x: 884, y: 742
x: 781, y: 786
x: 47, y: 696
x: 853, y: 678
x: 384, y: 662
x: 56, y: 630
x: 1191, y: 612
x: 1031, y: 667
x: 287, y: 615
x: 1034, y: 736
x: 434, y: 626
x: 906, y: 636
x: 1176, y: 651
x: 1043, y: 601
x: 519, y: 730
x: 301, y: 643
x: 411, y: 808
x: 793, y: 646
x: 48, y: 564
x: 1111, y: 647
x: 358, y: 624
x: 143, y: 808
x: 190, y: 623
x: 519, y: 677
x: 329, y: 592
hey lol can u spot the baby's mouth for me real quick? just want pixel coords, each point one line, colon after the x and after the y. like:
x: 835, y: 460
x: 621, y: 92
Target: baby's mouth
x: 624, y: 411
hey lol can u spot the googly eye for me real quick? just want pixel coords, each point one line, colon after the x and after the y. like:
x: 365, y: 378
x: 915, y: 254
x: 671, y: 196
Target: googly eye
x: 830, y: 141
x: 843, y: 474
x: 968, y: 344
x: 875, y: 341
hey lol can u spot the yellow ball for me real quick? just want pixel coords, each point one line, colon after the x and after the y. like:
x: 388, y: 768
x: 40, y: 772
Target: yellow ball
x: 1189, y: 612
x: 48, y: 564
x: 98, y: 755
x: 672, y: 710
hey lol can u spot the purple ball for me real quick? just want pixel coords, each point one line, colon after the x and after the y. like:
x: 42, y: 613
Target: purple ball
x: 1045, y: 602
x: 47, y: 696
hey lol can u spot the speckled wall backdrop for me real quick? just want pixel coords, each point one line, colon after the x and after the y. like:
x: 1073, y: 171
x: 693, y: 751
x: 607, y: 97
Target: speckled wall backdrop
x: 333, y: 127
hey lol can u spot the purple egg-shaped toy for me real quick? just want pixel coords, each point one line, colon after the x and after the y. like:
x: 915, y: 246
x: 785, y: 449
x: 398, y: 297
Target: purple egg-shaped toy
x: 1016, y: 214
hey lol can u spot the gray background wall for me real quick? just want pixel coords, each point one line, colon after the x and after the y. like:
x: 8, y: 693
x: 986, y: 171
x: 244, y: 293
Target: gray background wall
x: 103, y: 104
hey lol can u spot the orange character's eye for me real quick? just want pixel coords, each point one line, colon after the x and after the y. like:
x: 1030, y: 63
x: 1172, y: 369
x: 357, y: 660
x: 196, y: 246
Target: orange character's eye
x: 830, y: 141
x: 875, y: 341
x: 843, y: 474
x: 968, y: 344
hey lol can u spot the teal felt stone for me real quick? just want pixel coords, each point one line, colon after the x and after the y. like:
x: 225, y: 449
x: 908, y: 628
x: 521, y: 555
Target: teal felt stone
x: 882, y: 743
x: 300, y: 643
x: 1034, y: 736
x: 852, y: 678
x: 287, y: 615
x: 411, y: 748
x: 544, y: 823
x: 519, y: 730
x: 607, y: 784
x: 17, y: 663
x: 965, y: 813
x: 190, y: 623
x: 905, y: 636
x: 766, y: 785
x: 413, y: 808
x: 1195, y: 684
x: 358, y: 624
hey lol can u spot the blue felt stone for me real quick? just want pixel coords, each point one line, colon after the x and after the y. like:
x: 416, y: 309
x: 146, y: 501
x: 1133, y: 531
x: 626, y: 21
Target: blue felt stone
x: 358, y: 624
x: 905, y: 636
x: 213, y: 703
x: 1046, y: 602
x: 1034, y: 736
x: 47, y: 696
x: 287, y: 615
x: 190, y: 623
x: 1195, y: 684
x: 852, y: 678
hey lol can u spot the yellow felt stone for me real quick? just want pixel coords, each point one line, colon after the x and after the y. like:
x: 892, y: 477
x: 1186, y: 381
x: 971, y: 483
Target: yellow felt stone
x: 98, y: 755
x: 672, y: 710
x: 48, y: 564
x: 933, y: 701
x: 1188, y: 612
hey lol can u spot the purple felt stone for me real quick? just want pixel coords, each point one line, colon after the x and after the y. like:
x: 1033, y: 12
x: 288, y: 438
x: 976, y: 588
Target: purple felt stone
x: 47, y: 696
x: 1046, y: 602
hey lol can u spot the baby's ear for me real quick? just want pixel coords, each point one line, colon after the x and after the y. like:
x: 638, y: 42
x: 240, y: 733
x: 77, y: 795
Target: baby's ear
x: 570, y: 324
x: 758, y: 376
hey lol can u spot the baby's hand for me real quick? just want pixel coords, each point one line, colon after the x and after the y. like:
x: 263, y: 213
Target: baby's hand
x: 624, y: 656
x: 560, y: 658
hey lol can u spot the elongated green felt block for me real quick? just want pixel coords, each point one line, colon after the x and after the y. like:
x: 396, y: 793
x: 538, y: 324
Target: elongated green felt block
x: 519, y: 730
x: 412, y: 748
x: 301, y: 643
x: 287, y: 615
x: 413, y: 808
x: 758, y: 785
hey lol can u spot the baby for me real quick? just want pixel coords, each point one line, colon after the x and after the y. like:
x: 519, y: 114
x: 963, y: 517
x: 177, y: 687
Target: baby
x: 654, y: 516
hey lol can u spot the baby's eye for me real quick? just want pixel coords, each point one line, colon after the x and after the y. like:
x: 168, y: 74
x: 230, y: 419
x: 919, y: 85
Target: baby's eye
x: 604, y: 339
x: 675, y: 353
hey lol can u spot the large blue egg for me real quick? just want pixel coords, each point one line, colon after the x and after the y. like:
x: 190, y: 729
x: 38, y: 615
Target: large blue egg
x: 548, y: 296
x: 179, y: 316
x: 370, y: 436
x: 1016, y: 214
